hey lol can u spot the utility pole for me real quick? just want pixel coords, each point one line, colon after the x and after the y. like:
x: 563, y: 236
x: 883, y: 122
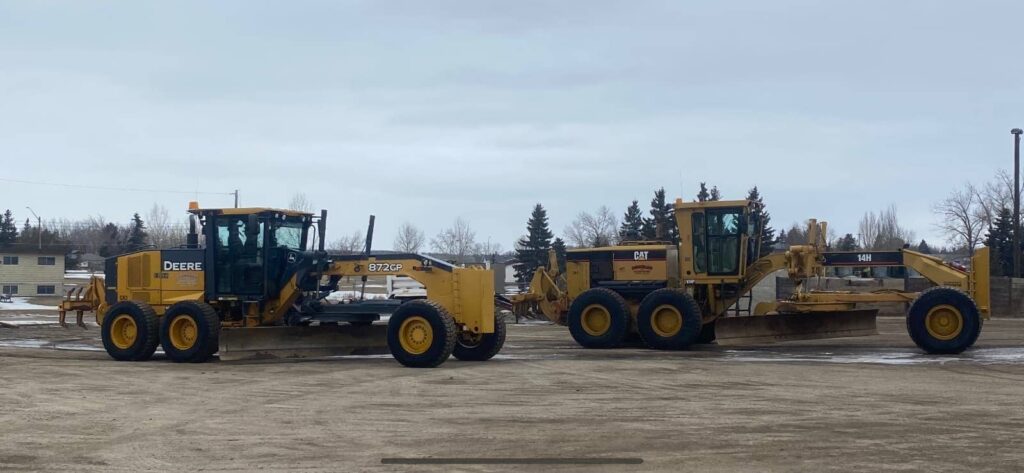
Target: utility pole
x: 1016, y: 201
x: 39, y: 226
x: 236, y: 198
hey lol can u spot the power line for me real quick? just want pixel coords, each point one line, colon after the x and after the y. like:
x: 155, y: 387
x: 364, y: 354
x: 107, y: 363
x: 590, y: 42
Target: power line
x: 119, y: 189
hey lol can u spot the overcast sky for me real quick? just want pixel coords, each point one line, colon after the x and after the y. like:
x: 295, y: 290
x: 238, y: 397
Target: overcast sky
x: 425, y: 111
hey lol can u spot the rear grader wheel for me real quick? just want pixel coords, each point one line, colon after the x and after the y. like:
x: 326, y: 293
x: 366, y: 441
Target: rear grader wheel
x: 190, y: 332
x: 421, y: 334
x: 481, y: 346
x: 130, y: 331
x: 669, y: 319
x: 944, y: 320
x: 599, y: 318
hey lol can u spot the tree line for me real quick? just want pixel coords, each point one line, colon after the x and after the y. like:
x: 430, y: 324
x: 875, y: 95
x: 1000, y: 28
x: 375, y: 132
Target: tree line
x: 602, y: 228
x: 91, y: 235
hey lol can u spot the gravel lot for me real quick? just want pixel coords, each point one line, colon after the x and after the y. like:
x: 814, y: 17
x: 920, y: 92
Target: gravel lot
x: 864, y: 404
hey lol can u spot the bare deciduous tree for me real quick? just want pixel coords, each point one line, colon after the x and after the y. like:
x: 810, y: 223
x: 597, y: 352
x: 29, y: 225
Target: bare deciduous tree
x: 962, y: 217
x: 488, y: 248
x: 350, y: 244
x: 163, y: 233
x: 300, y: 202
x: 598, y: 229
x: 410, y: 239
x: 883, y: 230
x: 458, y: 241
x: 995, y: 195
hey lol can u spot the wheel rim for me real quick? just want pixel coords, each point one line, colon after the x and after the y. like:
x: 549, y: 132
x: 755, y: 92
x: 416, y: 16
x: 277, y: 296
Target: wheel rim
x: 666, y: 321
x: 944, y: 322
x: 415, y: 335
x: 596, y: 320
x: 470, y: 339
x: 183, y: 332
x: 124, y: 331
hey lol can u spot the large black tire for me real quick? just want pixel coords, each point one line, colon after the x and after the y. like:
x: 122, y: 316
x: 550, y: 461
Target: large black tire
x: 197, y: 332
x: 943, y: 321
x: 481, y: 347
x: 428, y: 331
x: 137, y: 331
x: 669, y: 319
x: 599, y: 318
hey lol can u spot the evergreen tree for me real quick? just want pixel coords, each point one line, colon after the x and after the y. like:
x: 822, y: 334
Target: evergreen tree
x: 661, y: 225
x: 111, y: 241
x: 767, y: 232
x: 924, y: 248
x: 137, y: 236
x: 847, y: 243
x: 632, y: 224
x: 8, y: 229
x: 532, y: 250
x: 1000, y: 240
x: 703, y: 195
x: 559, y: 247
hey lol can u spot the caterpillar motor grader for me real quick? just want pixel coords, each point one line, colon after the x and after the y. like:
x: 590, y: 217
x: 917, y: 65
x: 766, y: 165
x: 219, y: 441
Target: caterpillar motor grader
x: 674, y: 296
x: 255, y: 290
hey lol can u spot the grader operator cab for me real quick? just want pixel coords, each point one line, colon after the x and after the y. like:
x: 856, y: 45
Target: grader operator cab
x: 254, y: 290
x: 676, y: 296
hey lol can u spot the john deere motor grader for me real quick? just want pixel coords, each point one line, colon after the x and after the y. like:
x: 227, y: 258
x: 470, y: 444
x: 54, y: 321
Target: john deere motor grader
x: 676, y: 296
x: 254, y: 290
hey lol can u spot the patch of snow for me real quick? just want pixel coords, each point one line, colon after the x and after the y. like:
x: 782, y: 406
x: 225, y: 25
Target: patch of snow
x: 22, y: 323
x: 342, y: 296
x: 21, y: 303
x: 982, y: 355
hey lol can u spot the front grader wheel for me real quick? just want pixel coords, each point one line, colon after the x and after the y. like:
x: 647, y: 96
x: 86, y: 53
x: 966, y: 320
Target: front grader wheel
x: 669, y: 319
x: 599, y: 318
x: 421, y: 334
x: 944, y: 321
x: 130, y: 331
x: 190, y: 332
x: 481, y: 346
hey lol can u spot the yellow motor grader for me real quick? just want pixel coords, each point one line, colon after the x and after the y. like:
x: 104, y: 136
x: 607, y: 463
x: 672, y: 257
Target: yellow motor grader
x: 254, y: 290
x: 701, y: 290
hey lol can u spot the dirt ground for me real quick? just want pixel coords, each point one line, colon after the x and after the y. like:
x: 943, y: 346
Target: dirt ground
x: 864, y: 404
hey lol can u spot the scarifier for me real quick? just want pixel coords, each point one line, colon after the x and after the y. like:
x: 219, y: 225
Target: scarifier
x: 254, y: 290
x: 675, y: 296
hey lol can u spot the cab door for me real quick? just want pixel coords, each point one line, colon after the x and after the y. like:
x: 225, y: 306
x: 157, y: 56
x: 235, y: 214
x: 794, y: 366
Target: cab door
x: 239, y: 255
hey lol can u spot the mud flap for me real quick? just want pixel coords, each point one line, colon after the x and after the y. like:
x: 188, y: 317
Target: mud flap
x: 760, y: 329
x: 262, y: 343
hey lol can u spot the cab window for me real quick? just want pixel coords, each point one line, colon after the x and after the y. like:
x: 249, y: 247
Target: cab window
x: 700, y: 249
x: 723, y: 241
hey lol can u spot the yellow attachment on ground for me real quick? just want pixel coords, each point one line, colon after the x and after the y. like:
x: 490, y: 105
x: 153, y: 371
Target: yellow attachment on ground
x: 124, y: 331
x: 545, y: 293
x: 84, y: 299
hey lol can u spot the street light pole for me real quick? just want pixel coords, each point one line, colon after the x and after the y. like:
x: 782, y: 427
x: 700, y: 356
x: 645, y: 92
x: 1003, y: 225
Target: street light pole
x: 39, y: 226
x: 1016, y: 132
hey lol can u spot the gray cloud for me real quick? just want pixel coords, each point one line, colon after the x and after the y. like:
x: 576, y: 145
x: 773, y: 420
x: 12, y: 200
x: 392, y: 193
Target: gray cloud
x: 425, y: 111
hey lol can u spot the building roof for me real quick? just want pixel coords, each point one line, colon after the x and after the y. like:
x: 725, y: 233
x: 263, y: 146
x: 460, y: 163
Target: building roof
x: 31, y: 249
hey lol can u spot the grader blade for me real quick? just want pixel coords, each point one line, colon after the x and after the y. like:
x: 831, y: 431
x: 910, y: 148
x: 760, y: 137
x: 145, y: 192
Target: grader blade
x: 760, y: 329
x: 263, y: 343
